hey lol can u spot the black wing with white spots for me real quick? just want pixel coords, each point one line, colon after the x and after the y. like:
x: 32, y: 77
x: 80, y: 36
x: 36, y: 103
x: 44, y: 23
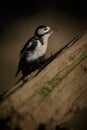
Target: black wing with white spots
x: 29, y: 47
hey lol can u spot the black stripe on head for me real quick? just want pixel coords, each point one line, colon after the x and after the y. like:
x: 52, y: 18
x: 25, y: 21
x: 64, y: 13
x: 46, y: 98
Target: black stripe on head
x: 40, y: 27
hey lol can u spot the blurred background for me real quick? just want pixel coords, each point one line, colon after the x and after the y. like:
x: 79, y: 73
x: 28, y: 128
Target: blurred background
x: 19, y: 19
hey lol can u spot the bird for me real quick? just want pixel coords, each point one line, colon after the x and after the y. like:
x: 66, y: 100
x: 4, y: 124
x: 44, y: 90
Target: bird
x: 34, y: 50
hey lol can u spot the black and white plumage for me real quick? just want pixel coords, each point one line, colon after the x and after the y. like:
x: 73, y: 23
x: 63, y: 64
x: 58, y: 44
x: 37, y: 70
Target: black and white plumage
x: 34, y: 50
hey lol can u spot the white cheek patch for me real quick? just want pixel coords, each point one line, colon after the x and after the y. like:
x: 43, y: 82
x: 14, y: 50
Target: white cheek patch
x: 42, y: 31
x: 48, y: 28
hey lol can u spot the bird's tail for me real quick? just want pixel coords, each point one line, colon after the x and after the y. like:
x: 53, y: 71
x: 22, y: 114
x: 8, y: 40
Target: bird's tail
x: 17, y: 73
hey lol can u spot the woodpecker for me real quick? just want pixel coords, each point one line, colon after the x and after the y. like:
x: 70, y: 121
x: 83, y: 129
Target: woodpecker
x: 34, y: 50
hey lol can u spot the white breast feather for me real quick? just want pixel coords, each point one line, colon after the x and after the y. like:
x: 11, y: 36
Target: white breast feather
x: 39, y: 51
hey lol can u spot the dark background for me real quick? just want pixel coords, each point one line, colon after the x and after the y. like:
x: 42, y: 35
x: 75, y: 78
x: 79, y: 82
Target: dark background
x: 18, y: 20
x: 11, y: 10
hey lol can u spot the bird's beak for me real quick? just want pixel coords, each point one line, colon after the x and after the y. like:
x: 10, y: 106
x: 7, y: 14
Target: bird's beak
x: 54, y: 29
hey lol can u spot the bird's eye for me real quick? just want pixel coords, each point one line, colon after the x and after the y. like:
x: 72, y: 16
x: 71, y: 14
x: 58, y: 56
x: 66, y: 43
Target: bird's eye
x: 45, y: 29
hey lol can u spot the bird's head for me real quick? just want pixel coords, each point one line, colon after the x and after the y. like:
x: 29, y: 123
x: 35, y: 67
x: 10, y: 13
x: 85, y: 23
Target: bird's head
x: 43, y: 30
